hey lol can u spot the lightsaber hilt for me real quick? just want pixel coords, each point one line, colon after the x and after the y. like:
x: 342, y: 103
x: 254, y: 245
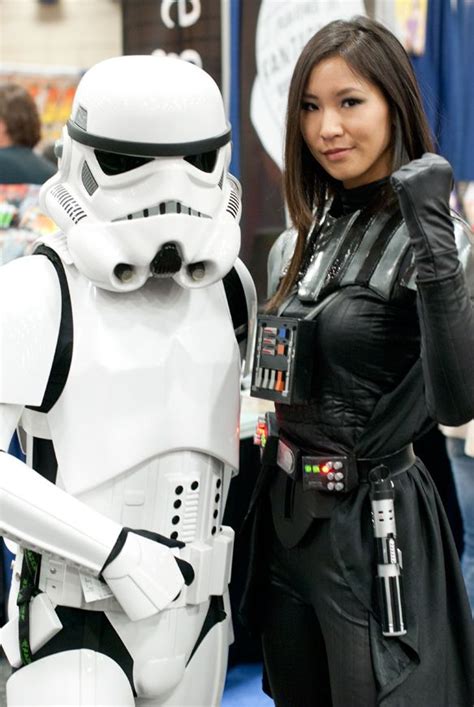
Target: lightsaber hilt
x: 388, y: 554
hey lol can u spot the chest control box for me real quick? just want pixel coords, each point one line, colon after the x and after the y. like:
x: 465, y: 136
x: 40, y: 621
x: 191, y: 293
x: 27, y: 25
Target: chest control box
x: 283, y: 359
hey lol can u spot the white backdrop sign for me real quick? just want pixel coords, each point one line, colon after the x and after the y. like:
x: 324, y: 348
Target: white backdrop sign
x: 283, y: 28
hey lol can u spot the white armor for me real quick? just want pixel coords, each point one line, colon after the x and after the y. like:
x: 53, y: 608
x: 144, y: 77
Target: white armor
x: 145, y: 430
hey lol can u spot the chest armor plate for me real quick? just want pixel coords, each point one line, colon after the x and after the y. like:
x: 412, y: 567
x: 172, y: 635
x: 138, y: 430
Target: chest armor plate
x: 152, y: 371
x: 357, y: 249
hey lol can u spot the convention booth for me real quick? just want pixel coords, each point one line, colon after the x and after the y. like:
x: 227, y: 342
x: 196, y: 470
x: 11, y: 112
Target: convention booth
x: 250, y: 48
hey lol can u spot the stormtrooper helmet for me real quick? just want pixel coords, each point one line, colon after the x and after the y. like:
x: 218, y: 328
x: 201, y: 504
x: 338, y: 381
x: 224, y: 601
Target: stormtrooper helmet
x: 142, y: 188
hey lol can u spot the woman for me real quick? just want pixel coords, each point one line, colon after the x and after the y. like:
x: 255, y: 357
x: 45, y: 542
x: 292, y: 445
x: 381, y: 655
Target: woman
x: 374, y: 242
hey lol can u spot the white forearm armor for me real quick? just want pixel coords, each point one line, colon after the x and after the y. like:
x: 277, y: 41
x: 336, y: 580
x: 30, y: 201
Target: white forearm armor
x: 144, y: 577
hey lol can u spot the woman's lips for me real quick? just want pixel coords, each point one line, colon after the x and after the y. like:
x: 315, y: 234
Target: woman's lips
x: 334, y: 155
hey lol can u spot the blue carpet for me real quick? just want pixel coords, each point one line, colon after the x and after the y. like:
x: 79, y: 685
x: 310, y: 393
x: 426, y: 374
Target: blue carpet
x: 243, y: 687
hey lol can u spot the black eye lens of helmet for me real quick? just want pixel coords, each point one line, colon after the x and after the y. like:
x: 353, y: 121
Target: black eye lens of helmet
x: 113, y: 163
x: 205, y: 161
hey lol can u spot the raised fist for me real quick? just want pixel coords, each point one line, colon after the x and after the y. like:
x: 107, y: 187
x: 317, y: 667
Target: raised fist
x: 424, y: 180
x: 423, y: 188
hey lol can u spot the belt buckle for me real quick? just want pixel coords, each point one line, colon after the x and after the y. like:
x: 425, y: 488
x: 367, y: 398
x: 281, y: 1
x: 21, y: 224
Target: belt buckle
x: 287, y: 457
x: 333, y: 474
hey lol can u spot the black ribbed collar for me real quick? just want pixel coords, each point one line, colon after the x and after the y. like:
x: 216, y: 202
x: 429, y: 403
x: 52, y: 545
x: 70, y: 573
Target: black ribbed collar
x: 348, y: 200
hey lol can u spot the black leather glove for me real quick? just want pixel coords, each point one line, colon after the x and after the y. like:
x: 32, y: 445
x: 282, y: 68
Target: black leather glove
x: 445, y: 311
x: 423, y: 188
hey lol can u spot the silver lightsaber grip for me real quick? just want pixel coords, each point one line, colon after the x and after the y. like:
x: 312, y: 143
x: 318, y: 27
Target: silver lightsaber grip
x: 389, y: 556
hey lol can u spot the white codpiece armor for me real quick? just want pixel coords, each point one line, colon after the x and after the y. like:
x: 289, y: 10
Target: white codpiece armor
x: 121, y: 369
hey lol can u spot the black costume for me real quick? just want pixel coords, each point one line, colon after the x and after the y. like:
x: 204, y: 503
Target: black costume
x: 311, y: 589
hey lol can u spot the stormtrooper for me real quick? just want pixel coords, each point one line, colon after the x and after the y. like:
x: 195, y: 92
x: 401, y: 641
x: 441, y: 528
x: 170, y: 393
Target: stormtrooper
x: 121, y: 370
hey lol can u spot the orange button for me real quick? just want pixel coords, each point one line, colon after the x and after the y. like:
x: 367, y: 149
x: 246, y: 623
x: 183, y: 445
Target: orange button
x: 280, y: 385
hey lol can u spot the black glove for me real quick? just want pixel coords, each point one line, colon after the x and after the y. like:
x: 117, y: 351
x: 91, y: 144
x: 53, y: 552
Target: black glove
x: 423, y: 188
x: 446, y: 317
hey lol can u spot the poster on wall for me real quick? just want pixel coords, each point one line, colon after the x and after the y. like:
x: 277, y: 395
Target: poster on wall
x: 407, y: 20
x: 283, y: 28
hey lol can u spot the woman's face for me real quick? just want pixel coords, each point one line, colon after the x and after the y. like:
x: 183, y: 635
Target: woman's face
x: 345, y: 122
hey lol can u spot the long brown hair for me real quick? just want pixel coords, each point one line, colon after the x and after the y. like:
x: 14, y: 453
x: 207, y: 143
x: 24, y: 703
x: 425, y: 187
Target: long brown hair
x: 376, y: 55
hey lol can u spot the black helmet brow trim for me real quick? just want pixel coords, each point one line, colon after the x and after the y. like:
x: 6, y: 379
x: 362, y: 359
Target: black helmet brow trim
x: 146, y: 149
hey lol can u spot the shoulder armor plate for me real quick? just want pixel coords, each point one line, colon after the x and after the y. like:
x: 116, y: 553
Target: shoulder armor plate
x: 361, y: 248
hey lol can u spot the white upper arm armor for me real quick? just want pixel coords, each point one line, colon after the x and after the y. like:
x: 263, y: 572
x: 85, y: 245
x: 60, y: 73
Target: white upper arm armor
x: 29, y: 324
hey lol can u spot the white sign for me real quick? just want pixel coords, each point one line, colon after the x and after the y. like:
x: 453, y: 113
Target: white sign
x: 283, y: 28
x: 190, y: 55
x: 186, y: 17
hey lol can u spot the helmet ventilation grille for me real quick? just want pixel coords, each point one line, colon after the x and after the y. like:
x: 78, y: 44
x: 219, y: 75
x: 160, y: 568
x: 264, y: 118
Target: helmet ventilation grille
x: 88, y: 179
x: 68, y: 203
x: 233, y: 205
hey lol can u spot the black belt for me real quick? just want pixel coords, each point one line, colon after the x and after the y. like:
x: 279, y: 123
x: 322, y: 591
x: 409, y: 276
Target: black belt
x: 396, y: 463
x: 336, y: 473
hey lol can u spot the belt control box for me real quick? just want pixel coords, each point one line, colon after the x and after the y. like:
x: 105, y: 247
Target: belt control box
x: 326, y: 474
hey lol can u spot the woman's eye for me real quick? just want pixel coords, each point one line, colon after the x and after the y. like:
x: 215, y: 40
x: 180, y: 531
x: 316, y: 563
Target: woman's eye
x: 306, y: 105
x: 350, y: 102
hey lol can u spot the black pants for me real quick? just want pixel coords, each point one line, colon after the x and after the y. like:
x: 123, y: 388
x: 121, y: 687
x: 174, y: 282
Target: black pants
x: 315, y: 632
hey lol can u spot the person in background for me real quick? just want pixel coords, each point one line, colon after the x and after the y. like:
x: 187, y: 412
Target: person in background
x: 22, y: 172
x: 460, y: 448
x: 343, y: 511
x: 20, y: 131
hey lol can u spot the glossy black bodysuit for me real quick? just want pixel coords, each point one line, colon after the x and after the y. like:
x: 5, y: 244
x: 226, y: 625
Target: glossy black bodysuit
x: 366, y: 340
x: 371, y: 395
